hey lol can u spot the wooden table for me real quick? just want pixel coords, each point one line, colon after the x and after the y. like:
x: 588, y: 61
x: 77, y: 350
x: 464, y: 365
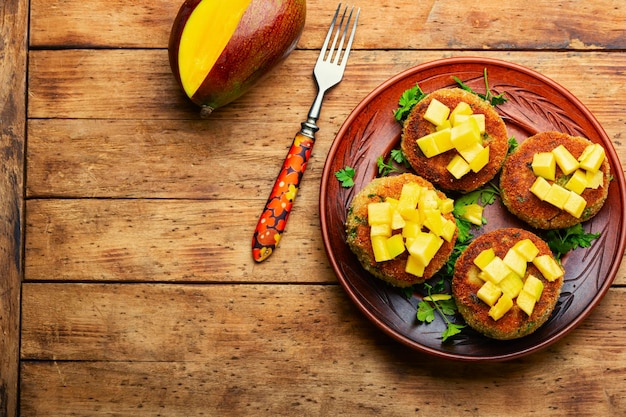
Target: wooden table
x: 127, y: 284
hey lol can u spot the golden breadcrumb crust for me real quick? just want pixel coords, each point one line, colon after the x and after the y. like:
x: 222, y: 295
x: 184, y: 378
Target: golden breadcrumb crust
x: 515, y: 323
x: 517, y: 177
x: 434, y: 169
x: 358, y: 232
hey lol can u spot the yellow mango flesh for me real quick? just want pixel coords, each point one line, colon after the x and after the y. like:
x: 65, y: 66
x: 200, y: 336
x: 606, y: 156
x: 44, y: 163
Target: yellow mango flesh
x: 207, y: 32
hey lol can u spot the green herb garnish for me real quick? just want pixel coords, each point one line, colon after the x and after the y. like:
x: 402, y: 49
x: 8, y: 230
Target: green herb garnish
x: 488, y: 96
x: 562, y: 241
x: 407, y: 101
x: 346, y: 176
x: 387, y: 167
x: 483, y: 196
x: 442, y: 304
x: 512, y: 144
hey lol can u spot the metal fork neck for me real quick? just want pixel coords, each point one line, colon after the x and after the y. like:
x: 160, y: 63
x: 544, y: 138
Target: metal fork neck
x: 310, y: 127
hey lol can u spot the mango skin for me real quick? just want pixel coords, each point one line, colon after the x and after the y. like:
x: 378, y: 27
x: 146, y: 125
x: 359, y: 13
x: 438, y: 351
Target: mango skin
x: 268, y: 32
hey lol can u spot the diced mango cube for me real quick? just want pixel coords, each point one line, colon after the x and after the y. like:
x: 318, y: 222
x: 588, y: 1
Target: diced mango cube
x: 578, y: 182
x: 409, y: 197
x: 414, y: 266
x: 511, y: 285
x: 565, y: 160
x: 595, y: 179
x: 593, y: 161
x: 449, y: 227
x: 437, y: 112
x: 446, y: 206
x: 473, y: 213
x: 428, y: 144
x: 428, y: 200
x: 496, y: 270
x: 381, y: 251
x: 548, y: 267
x: 489, y: 293
x: 503, y: 305
x: 515, y: 261
x: 412, y: 215
x: 458, y: 167
x: 484, y: 257
x: 465, y: 134
x: 434, y: 221
x: 411, y: 229
x: 534, y: 286
x: 557, y: 196
x: 379, y: 213
x: 471, y: 152
x: 544, y: 165
x: 527, y: 249
x: 397, y: 221
x: 540, y: 188
x: 461, y: 108
x: 444, y: 125
x: 480, y: 160
x: 526, y: 302
x: 425, y: 246
x: 575, y: 205
x: 395, y: 245
x: 480, y: 120
x: 457, y: 119
x: 382, y: 229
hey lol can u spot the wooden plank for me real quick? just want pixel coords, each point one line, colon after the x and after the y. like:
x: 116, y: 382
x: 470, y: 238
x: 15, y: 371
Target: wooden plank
x: 138, y: 84
x: 285, y: 350
x: 426, y: 25
x: 13, y: 29
x: 167, y: 240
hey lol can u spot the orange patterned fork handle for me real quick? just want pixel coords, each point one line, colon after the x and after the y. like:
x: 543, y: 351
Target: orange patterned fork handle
x: 328, y: 72
x: 273, y: 220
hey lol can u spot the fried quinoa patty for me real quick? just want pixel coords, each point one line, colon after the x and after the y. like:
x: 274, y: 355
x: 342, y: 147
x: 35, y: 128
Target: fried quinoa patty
x: 435, y: 169
x: 358, y: 232
x: 517, y: 177
x: 465, y: 284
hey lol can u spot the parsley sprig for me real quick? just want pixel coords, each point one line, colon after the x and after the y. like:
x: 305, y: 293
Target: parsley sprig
x: 562, y: 241
x: 346, y: 176
x: 442, y: 304
x: 488, y: 96
x: 407, y: 101
x: 386, y: 167
x: 484, y: 196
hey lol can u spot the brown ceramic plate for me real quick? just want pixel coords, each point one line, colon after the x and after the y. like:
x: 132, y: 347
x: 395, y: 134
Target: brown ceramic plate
x: 535, y: 103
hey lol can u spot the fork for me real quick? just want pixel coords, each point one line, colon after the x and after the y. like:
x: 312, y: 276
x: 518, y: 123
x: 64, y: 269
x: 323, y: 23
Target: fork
x: 328, y: 72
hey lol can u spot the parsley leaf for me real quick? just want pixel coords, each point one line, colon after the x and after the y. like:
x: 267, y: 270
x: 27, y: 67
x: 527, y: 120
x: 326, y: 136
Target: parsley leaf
x: 488, y: 96
x: 387, y: 167
x: 562, y: 241
x: 426, y: 312
x: 407, y: 101
x: 512, y: 144
x: 346, y: 176
x: 452, y: 329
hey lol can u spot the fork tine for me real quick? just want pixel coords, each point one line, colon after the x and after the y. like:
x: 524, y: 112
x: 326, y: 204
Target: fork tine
x: 329, y: 34
x: 332, y: 49
x: 344, y: 61
x: 345, y: 31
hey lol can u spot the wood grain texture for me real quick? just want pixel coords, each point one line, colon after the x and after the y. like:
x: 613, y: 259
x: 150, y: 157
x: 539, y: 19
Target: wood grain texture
x: 140, y: 295
x: 166, y: 240
x: 249, y: 349
x: 13, y: 29
x: 431, y: 24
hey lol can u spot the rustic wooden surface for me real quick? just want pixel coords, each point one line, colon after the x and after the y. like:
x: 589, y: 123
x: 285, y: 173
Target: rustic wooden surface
x: 139, y: 295
x: 13, y: 53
